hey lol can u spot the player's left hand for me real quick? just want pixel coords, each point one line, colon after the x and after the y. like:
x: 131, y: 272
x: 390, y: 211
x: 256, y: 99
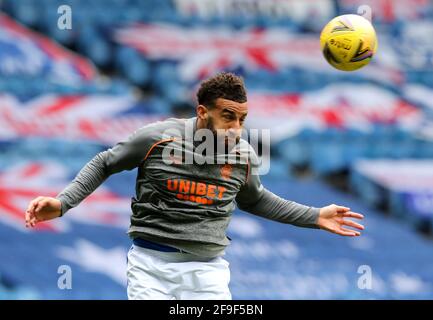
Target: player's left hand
x: 332, y: 219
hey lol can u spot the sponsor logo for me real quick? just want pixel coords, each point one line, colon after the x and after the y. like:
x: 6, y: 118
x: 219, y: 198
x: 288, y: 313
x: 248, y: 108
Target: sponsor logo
x: 193, y: 191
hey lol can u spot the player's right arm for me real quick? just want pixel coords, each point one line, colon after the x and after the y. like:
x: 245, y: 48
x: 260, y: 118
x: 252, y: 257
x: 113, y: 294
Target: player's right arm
x: 125, y: 155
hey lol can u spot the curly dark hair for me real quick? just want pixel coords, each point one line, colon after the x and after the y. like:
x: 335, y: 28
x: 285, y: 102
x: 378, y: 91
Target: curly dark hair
x: 224, y: 85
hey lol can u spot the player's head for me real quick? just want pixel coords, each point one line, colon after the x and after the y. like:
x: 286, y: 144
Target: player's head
x: 222, y: 105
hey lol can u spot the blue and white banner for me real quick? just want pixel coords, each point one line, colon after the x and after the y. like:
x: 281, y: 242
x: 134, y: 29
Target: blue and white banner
x: 26, y: 53
x: 201, y: 51
x: 104, y: 119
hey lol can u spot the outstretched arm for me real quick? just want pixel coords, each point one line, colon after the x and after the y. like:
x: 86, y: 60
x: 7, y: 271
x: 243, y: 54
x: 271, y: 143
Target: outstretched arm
x: 125, y: 155
x: 90, y: 177
x: 256, y: 199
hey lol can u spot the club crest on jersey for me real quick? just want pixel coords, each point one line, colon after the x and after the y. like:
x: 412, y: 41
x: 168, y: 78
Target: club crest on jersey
x: 226, y: 171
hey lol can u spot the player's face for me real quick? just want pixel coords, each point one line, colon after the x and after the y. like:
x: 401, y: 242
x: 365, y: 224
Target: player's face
x: 227, y: 117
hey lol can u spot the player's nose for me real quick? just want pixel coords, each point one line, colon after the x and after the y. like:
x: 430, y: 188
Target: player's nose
x: 236, y: 126
x: 234, y: 132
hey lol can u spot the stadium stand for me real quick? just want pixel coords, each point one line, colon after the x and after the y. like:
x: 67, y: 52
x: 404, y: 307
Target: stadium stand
x: 67, y: 94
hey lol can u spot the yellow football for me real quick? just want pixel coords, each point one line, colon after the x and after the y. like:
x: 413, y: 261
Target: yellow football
x: 348, y: 42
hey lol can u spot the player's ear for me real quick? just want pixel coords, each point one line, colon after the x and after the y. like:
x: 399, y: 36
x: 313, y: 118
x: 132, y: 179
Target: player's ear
x: 202, y: 112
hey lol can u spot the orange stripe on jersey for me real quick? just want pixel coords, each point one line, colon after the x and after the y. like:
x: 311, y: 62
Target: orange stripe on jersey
x: 156, y: 143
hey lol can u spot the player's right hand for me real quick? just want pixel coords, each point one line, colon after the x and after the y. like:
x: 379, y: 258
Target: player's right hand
x: 42, y: 209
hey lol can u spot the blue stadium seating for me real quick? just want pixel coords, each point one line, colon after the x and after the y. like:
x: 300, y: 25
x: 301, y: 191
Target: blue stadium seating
x: 323, y: 152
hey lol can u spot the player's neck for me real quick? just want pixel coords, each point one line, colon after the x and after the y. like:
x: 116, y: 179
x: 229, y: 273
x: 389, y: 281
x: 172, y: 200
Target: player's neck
x: 200, y: 124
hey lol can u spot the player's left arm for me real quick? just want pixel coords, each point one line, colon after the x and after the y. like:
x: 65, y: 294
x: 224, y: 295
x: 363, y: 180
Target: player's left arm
x: 254, y: 198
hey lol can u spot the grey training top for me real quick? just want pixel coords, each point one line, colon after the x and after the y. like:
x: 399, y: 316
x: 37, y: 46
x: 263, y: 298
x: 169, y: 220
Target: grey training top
x: 183, y: 203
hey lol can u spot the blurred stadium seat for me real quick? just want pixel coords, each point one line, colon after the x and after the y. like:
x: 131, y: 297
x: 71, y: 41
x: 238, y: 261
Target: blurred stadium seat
x: 66, y: 95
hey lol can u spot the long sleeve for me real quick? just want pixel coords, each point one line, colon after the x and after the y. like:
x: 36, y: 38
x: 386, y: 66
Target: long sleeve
x: 90, y: 177
x: 256, y: 199
x: 125, y: 155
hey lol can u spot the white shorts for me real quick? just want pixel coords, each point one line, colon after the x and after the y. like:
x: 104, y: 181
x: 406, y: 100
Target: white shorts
x: 156, y: 275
